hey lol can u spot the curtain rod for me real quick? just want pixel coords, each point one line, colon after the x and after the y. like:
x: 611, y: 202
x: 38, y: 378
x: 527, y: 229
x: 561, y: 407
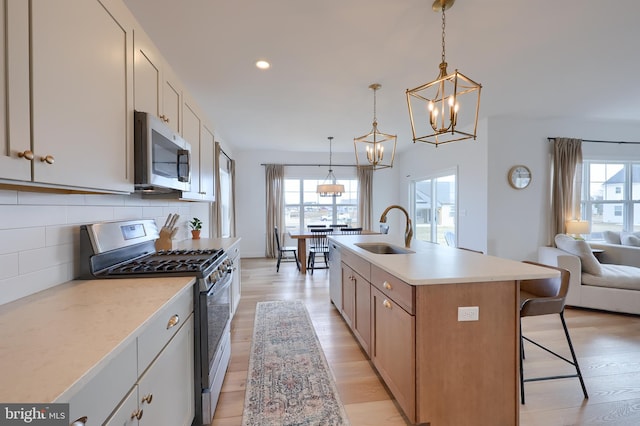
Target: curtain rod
x: 597, y: 141
x: 313, y: 165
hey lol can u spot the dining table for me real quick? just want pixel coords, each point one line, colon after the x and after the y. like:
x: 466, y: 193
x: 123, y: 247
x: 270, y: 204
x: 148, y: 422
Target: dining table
x: 301, y: 235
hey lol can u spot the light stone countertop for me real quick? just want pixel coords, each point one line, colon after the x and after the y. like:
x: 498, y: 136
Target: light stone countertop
x: 55, y: 341
x: 438, y: 264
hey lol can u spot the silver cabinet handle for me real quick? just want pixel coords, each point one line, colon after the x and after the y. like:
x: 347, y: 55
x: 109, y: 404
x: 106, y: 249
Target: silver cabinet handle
x: 173, y: 321
x: 147, y: 398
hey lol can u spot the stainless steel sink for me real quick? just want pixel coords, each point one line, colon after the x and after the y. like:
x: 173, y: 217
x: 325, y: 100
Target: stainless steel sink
x: 383, y: 248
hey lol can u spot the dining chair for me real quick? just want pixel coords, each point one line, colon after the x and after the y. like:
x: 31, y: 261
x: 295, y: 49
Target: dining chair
x: 546, y: 296
x: 283, y: 251
x: 351, y: 231
x: 319, y: 244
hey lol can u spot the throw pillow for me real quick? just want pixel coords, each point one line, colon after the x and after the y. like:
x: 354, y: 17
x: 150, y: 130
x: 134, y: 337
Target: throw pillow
x: 611, y: 237
x: 630, y: 240
x: 581, y: 249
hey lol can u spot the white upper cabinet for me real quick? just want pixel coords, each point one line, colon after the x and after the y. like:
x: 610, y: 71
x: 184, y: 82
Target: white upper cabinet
x: 157, y: 89
x: 81, y: 94
x: 15, y: 130
x: 200, y: 137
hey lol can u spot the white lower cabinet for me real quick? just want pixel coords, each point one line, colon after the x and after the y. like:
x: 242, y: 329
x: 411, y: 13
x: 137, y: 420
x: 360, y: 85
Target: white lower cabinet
x: 164, y: 393
x: 165, y: 390
x: 151, y: 379
x: 127, y: 413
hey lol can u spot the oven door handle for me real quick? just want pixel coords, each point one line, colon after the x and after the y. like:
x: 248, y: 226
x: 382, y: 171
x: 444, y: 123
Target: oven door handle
x: 222, y: 284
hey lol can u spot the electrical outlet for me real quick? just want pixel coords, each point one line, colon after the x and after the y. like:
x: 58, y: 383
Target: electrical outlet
x: 468, y: 313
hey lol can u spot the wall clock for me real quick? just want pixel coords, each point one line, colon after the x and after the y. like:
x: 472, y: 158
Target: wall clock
x: 519, y: 177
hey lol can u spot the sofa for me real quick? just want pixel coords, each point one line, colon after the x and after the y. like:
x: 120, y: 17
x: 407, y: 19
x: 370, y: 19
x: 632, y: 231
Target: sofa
x: 610, y: 283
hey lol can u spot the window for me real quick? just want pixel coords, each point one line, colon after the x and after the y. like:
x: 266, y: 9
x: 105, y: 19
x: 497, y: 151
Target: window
x: 433, y: 220
x: 611, y: 196
x: 303, y: 206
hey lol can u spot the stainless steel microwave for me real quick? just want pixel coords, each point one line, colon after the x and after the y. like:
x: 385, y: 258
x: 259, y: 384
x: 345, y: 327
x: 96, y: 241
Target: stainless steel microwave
x: 162, y: 159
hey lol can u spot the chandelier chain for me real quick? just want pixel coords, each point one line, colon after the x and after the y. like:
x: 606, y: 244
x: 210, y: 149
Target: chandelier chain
x: 375, y: 120
x: 443, y: 27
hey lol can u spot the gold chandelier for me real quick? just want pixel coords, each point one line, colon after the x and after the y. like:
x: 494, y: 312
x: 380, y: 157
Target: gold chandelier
x: 372, y: 145
x: 437, y: 108
x: 329, y: 188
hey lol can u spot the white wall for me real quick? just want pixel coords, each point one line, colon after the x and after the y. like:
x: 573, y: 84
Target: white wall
x: 39, y: 233
x: 469, y: 157
x: 518, y: 220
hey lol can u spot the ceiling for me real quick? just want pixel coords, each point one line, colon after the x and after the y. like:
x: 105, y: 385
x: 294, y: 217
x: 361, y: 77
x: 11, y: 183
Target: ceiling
x: 562, y: 58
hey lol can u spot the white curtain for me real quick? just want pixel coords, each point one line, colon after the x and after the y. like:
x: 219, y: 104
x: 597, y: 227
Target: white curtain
x: 566, y: 183
x: 274, y: 178
x: 365, y: 195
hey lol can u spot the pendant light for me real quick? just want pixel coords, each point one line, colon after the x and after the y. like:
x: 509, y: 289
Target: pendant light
x: 329, y: 187
x: 370, y: 148
x: 438, y: 109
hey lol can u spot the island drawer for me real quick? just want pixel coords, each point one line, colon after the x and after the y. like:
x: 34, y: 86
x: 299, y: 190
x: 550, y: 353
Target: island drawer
x: 399, y: 291
x: 162, y: 326
x: 357, y: 263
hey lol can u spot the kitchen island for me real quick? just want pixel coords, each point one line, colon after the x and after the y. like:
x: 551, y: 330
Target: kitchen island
x: 440, y: 325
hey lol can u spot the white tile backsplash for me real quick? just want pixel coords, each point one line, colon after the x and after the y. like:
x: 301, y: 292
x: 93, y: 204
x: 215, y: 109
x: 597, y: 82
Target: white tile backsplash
x: 18, y: 239
x: 39, y: 242
x: 43, y: 258
x: 8, y: 265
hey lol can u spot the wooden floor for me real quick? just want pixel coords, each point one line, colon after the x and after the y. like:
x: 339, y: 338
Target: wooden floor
x: 607, y: 346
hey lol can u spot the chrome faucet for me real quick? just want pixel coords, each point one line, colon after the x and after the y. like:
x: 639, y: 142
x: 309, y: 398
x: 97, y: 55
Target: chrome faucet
x: 408, y: 231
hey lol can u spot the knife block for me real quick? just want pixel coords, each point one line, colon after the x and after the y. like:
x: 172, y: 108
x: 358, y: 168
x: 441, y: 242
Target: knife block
x: 164, y: 242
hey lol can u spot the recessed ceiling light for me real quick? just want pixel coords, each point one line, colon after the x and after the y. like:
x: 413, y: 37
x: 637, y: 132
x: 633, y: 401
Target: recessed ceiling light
x: 263, y: 65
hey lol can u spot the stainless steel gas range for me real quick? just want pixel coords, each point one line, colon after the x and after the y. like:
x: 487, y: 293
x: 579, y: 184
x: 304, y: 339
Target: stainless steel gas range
x: 127, y: 249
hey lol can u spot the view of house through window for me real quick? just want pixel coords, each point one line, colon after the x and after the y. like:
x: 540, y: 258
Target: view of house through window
x: 303, y: 206
x: 611, y: 196
x: 434, y: 203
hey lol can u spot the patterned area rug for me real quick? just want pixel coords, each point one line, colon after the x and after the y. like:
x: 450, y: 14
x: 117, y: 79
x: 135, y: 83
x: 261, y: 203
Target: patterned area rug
x: 289, y: 381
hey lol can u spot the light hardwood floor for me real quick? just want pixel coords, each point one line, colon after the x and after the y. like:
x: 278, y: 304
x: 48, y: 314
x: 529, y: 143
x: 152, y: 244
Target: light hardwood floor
x: 607, y: 346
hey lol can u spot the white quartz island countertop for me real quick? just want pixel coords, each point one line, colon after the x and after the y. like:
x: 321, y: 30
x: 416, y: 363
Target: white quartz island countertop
x: 436, y: 264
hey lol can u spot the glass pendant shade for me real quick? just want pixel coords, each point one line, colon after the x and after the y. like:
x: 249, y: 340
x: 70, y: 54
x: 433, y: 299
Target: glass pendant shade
x: 375, y: 150
x: 446, y: 109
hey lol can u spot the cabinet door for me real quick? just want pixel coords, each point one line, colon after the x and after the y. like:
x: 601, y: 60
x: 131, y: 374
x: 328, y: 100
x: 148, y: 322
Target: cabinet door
x: 207, y: 164
x: 80, y: 95
x: 147, y: 75
x: 166, y: 393
x: 363, y: 310
x: 171, y: 99
x: 128, y: 412
x: 234, y: 255
x: 393, y: 349
x: 348, y: 295
x: 15, y: 129
x: 191, y: 125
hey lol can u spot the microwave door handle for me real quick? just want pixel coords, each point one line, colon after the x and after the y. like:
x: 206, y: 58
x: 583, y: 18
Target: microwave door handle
x: 184, y: 153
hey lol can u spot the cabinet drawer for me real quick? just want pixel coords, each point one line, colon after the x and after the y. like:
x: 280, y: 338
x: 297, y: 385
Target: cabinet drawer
x: 162, y: 326
x: 102, y: 393
x: 399, y: 291
x: 356, y: 263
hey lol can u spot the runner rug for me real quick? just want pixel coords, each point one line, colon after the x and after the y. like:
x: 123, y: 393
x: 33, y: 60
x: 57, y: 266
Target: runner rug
x: 289, y: 381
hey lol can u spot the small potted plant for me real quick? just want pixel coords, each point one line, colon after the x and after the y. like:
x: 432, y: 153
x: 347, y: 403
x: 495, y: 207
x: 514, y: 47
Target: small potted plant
x: 196, y: 225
